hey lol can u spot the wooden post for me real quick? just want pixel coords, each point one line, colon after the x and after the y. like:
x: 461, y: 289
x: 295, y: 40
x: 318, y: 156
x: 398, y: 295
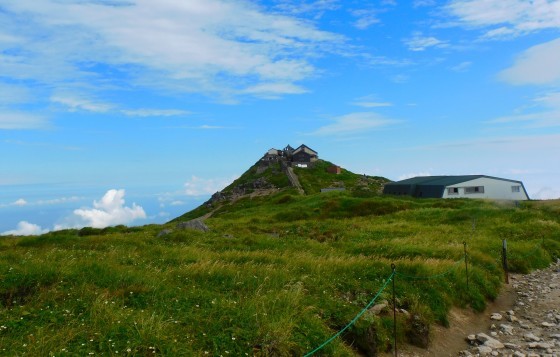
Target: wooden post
x: 393, y: 267
x: 466, y: 264
x: 504, y: 260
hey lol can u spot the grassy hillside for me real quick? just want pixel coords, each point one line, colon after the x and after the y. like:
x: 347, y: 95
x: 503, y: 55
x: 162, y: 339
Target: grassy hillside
x: 275, y: 276
x: 312, y: 180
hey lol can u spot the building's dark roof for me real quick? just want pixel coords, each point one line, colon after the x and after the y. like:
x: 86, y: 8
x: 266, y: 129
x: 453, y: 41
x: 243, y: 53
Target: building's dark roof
x: 305, y: 149
x: 444, y: 180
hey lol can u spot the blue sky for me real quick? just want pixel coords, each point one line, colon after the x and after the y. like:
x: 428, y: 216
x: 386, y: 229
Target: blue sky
x: 135, y: 111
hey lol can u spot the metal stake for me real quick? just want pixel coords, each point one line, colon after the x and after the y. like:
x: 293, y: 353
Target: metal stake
x: 466, y: 264
x: 504, y: 260
x: 393, y: 267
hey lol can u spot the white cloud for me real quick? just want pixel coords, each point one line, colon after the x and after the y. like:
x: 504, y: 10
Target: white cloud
x: 370, y: 101
x: 386, y: 61
x: 501, y: 33
x: 197, y: 186
x: 20, y: 202
x: 204, y: 127
x: 537, y: 65
x: 413, y: 174
x: 462, y: 67
x: 41, y: 145
x: 354, y: 123
x: 211, y: 127
x: 400, y: 78
x: 109, y: 211
x: 373, y: 104
x: 57, y: 201
x: 13, y: 94
x: 22, y: 121
x: 545, y: 193
x: 6, y: 39
x: 529, y: 145
x: 154, y: 112
x: 214, y: 46
x: 547, y: 116
x: 366, y: 18
x: 418, y: 42
x: 25, y: 228
x: 422, y: 3
x: 514, y: 17
x: 76, y: 103
x: 274, y: 90
x: 318, y: 6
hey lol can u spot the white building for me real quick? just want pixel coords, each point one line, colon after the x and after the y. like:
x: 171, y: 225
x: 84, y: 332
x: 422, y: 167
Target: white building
x: 466, y: 186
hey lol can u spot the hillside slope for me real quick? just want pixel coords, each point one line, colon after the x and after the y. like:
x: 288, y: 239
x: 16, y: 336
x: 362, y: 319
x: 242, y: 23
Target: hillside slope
x: 264, y: 179
x: 276, y: 275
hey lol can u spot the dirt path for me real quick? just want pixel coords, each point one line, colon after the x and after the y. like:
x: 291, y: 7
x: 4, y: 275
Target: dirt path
x: 529, y: 305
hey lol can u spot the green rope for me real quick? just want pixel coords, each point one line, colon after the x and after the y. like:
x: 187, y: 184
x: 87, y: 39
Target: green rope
x: 354, y: 319
x: 433, y: 276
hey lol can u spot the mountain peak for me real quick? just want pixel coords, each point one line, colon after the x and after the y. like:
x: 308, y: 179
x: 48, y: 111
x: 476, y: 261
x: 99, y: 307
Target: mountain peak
x: 296, y: 170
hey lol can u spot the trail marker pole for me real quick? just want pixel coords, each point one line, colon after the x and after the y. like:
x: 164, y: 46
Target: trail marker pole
x: 466, y: 264
x: 393, y: 267
x: 504, y: 260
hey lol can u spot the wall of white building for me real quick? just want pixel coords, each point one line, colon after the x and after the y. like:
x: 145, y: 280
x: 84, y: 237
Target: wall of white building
x: 493, y: 189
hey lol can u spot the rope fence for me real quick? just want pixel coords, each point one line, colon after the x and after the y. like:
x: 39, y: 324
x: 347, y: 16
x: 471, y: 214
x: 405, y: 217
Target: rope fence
x: 395, y: 274
x: 364, y: 310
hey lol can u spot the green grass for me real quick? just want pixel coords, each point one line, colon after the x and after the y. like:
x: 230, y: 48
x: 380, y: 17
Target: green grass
x: 316, y: 177
x: 276, y: 275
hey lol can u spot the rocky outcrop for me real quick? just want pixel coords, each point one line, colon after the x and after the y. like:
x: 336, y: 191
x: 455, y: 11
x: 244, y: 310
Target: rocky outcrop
x: 239, y: 191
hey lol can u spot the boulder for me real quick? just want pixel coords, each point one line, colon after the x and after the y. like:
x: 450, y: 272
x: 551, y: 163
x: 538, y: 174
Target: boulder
x: 489, y: 341
x: 378, y: 308
x: 164, y: 232
x: 531, y: 337
x: 507, y: 329
x: 418, y: 333
x: 484, y: 350
x: 496, y: 316
x: 195, y: 224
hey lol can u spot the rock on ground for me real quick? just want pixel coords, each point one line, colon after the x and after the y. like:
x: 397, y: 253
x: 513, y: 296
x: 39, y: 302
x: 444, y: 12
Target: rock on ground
x: 534, y: 328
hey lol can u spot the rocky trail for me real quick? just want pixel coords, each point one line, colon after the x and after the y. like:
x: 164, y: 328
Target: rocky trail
x: 523, y: 322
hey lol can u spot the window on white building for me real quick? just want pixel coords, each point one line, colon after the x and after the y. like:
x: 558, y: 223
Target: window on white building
x: 515, y: 188
x: 474, y: 189
x: 453, y: 190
